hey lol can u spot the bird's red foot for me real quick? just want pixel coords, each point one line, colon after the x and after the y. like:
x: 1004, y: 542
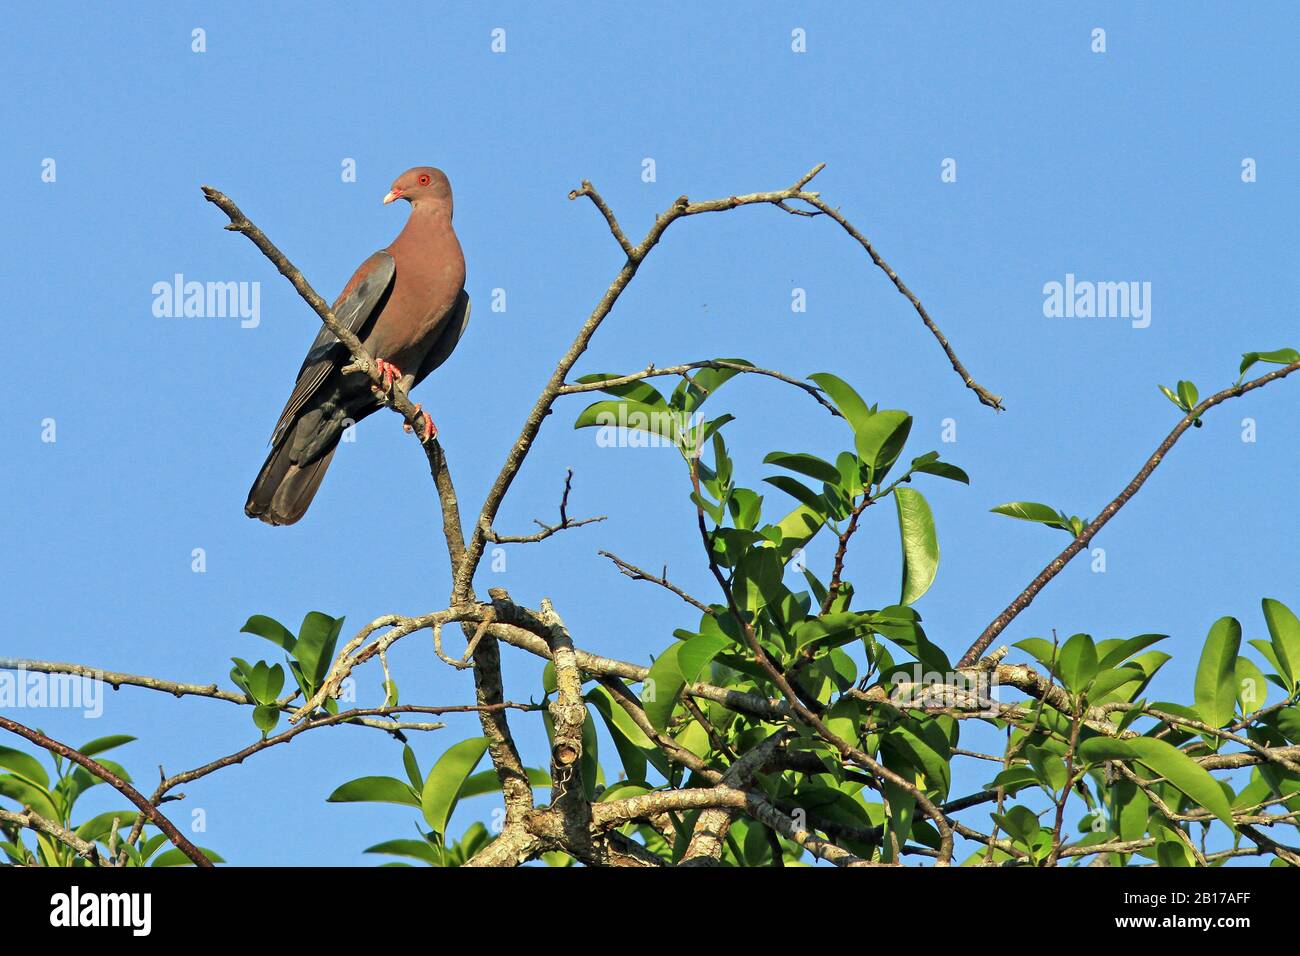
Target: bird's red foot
x: 389, y: 371
x: 429, y: 429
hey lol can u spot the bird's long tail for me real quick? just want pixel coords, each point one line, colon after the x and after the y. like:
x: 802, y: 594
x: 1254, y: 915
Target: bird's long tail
x: 283, y: 490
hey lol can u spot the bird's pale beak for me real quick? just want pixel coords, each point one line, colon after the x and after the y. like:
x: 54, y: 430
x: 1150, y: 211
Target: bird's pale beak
x: 392, y: 195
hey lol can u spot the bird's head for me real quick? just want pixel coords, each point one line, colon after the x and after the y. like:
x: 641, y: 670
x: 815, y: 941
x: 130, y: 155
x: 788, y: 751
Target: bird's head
x: 422, y: 186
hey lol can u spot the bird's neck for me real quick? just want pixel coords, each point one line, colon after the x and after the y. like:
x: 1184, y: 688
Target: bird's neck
x: 427, y: 227
x: 430, y: 212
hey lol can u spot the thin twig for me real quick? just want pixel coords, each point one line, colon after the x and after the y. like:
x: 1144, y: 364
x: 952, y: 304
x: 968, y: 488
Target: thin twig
x: 637, y: 574
x: 653, y: 371
x: 547, y: 529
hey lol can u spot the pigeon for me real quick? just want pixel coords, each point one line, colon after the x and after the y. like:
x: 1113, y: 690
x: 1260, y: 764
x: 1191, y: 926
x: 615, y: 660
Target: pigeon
x: 407, y: 304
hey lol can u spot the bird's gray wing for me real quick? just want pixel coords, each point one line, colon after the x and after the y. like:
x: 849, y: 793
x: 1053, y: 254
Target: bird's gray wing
x: 362, y: 299
x: 453, y: 328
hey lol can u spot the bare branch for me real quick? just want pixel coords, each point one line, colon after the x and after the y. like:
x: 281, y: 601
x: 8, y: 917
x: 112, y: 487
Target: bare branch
x: 652, y: 371
x: 31, y: 820
x: 636, y: 574
x: 1054, y: 567
x: 547, y: 530
x: 588, y: 190
x: 345, y: 716
x: 985, y: 396
x: 118, y: 679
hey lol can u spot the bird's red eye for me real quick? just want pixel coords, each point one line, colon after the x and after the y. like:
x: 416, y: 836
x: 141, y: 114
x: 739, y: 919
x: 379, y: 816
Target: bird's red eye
x: 424, y: 179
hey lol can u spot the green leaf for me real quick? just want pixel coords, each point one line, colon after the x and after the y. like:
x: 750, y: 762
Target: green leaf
x: 809, y: 465
x: 100, y: 826
x: 706, y: 381
x: 923, y: 748
x: 1284, y: 630
x: 798, y: 528
x: 412, y: 767
x: 487, y: 781
x: 101, y: 744
x: 902, y: 626
x: 1114, y: 653
x: 265, y: 717
x: 623, y: 790
x: 746, y: 507
x: 634, y: 417
x: 443, y: 786
x: 1169, y: 394
x: 696, y: 654
x: 757, y: 581
x: 1111, y: 678
x: 832, y: 629
x: 798, y: 491
x: 1288, y: 721
x: 1049, y: 767
x: 677, y: 666
x: 271, y: 629
x: 415, y: 849
x: 1216, y: 675
x: 1020, y: 824
x: 26, y: 793
x: 1167, y: 760
x: 848, y: 401
x: 629, y: 739
x: 375, y: 790
x: 702, y: 433
x: 1015, y: 779
x: 1034, y: 511
x: 1042, y: 651
x: 942, y: 469
x: 1130, y: 808
x: 1269, y: 654
x: 1277, y: 357
x: 1188, y: 394
x: 641, y: 392
x: 315, y: 648
x: 1078, y: 662
x: 1252, y: 686
x: 175, y: 857
x: 880, y: 440
x: 920, y: 545
x: 25, y: 765
x: 257, y: 681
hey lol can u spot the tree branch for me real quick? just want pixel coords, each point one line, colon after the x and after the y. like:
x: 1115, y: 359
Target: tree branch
x: 636, y: 574
x: 29, y: 819
x: 1054, y: 567
x: 547, y: 530
x: 651, y: 371
x: 195, y: 855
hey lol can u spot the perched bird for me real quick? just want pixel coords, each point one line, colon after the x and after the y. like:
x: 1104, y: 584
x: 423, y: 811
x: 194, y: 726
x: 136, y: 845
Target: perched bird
x: 407, y: 304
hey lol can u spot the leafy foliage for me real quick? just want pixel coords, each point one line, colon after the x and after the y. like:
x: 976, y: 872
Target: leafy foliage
x: 54, y: 796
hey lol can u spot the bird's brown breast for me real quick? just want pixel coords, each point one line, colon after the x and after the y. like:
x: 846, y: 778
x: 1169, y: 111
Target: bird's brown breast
x: 430, y: 273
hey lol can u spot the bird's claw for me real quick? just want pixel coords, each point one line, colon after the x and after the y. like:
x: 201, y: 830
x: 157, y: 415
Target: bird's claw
x: 390, y: 373
x: 429, y: 429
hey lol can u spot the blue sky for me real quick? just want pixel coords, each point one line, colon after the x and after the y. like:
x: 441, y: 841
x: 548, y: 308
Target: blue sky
x: 1116, y: 166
